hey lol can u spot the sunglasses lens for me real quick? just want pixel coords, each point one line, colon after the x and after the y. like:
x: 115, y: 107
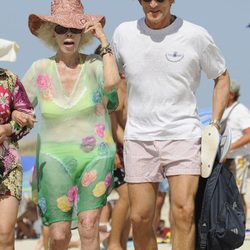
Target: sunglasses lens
x: 60, y: 29
x: 158, y: 1
x: 63, y: 30
x: 75, y: 31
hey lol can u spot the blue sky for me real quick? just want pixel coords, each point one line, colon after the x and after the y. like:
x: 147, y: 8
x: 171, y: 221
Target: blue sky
x: 226, y: 21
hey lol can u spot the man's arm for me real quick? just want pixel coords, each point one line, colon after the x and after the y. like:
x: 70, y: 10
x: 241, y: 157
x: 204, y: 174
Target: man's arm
x: 220, y: 96
x: 243, y: 140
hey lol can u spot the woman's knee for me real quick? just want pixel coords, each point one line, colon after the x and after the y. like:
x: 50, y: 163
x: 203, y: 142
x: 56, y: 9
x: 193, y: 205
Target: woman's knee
x: 60, y: 235
x: 6, y: 235
x: 88, y: 227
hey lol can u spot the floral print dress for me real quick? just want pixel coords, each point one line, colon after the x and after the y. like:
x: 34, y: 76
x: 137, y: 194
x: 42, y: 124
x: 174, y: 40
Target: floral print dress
x: 12, y: 97
x: 75, y: 149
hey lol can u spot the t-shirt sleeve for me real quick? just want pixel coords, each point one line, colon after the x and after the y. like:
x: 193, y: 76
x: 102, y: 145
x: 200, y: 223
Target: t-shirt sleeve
x: 212, y: 60
x: 243, y: 117
x: 115, y: 48
x: 29, y: 82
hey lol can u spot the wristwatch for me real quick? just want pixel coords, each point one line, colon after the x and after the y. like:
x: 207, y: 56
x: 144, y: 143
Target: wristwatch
x: 216, y: 123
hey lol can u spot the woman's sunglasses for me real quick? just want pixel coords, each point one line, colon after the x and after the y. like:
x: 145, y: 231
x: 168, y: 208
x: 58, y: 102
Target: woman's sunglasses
x: 158, y: 1
x: 60, y: 30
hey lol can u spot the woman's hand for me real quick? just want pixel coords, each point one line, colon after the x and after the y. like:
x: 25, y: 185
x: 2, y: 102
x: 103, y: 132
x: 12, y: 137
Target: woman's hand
x: 96, y: 29
x: 23, y: 119
x: 5, y: 131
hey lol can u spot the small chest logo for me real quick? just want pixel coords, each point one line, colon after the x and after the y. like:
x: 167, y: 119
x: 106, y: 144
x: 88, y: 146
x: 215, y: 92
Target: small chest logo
x: 174, y: 56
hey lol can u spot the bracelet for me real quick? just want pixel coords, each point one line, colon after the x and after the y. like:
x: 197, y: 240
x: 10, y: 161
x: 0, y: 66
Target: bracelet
x: 215, y: 122
x: 103, y: 48
x: 106, y: 51
x: 12, y: 125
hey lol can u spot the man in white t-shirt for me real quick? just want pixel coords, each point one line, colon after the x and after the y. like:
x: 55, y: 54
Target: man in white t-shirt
x: 237, y: 118
x: 162, y: 57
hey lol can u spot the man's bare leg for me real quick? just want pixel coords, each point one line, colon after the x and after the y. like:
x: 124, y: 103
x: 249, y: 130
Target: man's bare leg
x: 142, y: 198
x: 183, y: 190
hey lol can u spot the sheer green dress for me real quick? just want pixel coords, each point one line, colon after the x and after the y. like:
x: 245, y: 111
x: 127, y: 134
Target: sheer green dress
x: 75, y: 149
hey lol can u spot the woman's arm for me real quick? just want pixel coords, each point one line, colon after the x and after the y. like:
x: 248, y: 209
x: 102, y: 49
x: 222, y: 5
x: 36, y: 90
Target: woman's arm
x: 21, y: 104
x: 110, y: 69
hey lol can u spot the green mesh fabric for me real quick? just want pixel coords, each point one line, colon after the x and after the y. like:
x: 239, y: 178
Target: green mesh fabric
x: 75, y: 150
x: 113, y: 100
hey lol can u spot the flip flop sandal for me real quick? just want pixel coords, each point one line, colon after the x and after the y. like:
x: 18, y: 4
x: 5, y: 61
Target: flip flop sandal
x: 210, y: 141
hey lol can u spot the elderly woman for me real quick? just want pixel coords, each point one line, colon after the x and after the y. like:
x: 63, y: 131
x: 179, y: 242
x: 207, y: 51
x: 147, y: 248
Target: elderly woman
x: 75, y: 149
x: 12, y: 97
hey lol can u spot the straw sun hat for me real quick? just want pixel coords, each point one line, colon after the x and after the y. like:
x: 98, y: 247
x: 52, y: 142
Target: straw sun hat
x: 67, y: 13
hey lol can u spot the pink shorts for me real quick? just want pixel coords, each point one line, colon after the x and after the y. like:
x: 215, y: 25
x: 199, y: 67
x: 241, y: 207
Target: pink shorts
x: 151, y: 161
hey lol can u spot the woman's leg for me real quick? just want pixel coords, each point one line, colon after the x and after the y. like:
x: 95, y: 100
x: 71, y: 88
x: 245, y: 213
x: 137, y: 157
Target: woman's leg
x: 8, y: 216
x: 60, y: 234
x: 88, y: 227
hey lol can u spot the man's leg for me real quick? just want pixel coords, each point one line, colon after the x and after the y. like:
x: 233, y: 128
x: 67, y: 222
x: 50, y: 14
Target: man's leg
x: 142, y: 198
x: 183, y: 189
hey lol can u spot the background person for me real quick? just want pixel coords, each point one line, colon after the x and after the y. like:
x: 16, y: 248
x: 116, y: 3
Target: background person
x: 120, y: 215
x: 120, y: 212
x: 12, y: 97
x: 28, y: 224
x: 237, y: 118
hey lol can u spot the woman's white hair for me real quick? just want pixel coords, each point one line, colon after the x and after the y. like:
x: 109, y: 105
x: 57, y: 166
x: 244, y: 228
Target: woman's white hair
x: 46, y: 31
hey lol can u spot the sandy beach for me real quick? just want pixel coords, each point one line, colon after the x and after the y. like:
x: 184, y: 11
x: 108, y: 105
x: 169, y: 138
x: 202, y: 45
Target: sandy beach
x: 30, y: 244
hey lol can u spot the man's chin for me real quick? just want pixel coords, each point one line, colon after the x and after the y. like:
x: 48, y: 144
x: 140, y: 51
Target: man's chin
x: 154, y: 19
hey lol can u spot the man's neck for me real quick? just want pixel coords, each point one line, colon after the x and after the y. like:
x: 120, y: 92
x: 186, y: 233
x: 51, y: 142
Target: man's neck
x: 162, y: 25
x: 231, y: 103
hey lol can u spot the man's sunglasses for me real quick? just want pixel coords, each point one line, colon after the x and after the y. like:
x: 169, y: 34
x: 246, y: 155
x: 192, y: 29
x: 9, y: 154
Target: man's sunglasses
x: 60, y: 30
x: 158, y: 1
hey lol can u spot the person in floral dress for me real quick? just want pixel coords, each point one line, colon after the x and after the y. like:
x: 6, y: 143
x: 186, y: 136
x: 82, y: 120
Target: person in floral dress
x: 12, y: 97
x: 75, y: 149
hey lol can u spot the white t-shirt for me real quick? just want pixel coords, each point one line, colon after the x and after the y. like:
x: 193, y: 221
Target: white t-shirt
x: 163, y: 69
x: 238, y: 120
